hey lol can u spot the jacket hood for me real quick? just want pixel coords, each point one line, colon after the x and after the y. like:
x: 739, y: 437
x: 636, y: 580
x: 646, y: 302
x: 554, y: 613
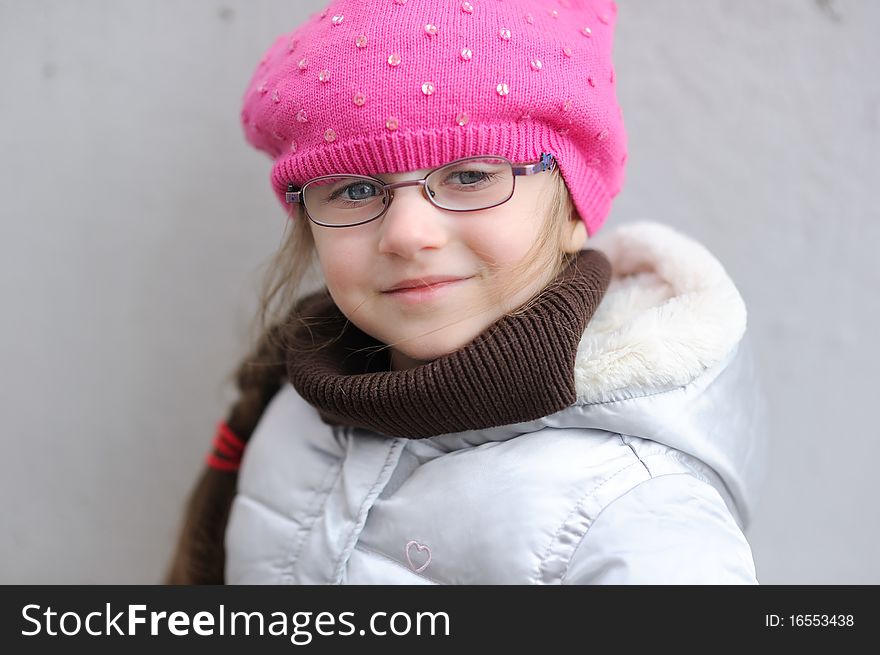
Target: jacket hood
x: 670, y: 312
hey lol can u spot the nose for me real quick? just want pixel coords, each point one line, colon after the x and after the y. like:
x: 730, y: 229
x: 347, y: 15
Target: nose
x: 412, y: 223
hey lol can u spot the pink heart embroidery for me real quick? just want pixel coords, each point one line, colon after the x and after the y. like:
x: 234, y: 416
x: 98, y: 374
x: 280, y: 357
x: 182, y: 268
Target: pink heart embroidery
x: 409, y: 558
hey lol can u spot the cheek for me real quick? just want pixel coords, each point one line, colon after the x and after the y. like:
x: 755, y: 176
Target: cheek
x: 343, y: 265
x: 504, y: 235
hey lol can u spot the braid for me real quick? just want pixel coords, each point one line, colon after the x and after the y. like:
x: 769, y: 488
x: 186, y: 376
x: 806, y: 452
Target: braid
x: 200, y: 556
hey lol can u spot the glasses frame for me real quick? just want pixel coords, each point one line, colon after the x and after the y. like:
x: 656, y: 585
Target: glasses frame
x: 547, y: 162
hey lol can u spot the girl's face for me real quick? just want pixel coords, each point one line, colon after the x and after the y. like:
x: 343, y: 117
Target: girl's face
x: 415, y: 239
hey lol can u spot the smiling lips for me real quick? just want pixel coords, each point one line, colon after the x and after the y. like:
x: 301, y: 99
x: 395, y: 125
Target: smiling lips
x: 429, y: 288
x: 423, y: 282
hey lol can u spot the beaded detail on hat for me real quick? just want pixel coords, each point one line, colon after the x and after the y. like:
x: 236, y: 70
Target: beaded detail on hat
x: 385, y: 86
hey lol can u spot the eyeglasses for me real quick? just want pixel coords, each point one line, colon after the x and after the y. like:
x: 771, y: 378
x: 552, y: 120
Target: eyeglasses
x: 464, y: 185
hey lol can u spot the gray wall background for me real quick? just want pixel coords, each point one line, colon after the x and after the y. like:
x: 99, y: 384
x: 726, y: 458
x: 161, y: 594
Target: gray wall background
x: 135, y: 221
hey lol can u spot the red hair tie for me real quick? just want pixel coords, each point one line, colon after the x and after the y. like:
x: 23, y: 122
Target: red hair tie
x: 226, y: 449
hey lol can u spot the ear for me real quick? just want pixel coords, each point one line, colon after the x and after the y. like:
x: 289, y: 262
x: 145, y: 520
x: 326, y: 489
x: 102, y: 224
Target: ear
x: 576, y: 233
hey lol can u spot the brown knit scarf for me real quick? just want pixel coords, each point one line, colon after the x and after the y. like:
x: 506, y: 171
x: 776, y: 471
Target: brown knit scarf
x: 520, y: 368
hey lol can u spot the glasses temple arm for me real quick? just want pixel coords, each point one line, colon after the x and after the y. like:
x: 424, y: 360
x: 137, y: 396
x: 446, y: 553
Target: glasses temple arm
x: 547, y: 163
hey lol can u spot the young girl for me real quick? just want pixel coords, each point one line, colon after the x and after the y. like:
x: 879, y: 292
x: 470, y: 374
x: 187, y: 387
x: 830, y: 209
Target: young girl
x: 485, y: 390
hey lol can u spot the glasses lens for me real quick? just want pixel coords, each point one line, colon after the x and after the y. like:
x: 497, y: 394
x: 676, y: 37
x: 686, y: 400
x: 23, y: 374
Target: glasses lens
x: 471, y: 184
x: 464, y: 185
x: 343, y: 200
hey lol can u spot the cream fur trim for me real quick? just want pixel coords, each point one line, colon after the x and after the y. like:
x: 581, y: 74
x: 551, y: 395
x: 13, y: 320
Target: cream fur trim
x: 670, y: 312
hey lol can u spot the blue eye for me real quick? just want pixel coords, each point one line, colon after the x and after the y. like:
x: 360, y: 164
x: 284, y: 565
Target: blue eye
x: 358, y: 185
x: 473, y: 178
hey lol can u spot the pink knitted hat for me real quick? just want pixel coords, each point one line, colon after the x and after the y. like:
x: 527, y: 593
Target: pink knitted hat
x: 389, y: 86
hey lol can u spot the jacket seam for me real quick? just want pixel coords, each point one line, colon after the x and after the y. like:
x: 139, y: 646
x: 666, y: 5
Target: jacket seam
x: 245, y: 497
x: 602, y: 511
x: 677, y: 455
x: 294, y: 558
x: 574, y: 511
x: 361, y: 517
x: 635, y: 452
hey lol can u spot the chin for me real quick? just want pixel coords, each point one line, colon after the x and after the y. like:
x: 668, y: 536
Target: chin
x: 432, y: 346
x: 425, y: 353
